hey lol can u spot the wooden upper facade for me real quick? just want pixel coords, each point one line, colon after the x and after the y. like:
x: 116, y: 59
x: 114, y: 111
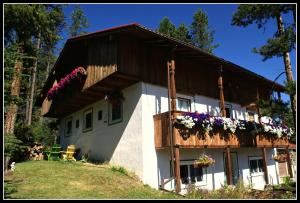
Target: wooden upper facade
x: 119, y: 57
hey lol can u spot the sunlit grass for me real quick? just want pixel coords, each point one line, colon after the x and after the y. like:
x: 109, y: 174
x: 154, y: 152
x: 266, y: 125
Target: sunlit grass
x: 70, y: 180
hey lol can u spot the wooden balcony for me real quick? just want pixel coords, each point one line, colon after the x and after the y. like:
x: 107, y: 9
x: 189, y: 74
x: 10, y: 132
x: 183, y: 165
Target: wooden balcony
x: 213, y: 140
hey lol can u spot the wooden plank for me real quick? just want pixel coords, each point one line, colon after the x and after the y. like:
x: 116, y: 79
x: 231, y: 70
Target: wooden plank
x: 265, y: 165
x: 228, y: 166
x: 289, y: 163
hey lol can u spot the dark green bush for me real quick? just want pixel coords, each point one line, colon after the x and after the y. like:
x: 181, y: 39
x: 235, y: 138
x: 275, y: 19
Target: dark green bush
x: 15, y: 148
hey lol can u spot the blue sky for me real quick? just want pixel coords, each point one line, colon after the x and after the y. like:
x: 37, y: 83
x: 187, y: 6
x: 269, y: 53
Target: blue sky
x: 235, y: 43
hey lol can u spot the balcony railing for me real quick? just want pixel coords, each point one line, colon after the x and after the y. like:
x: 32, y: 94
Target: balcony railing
x: 211, y: 140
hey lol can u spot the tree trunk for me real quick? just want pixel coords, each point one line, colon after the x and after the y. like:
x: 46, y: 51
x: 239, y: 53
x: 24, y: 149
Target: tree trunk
x: 288, y: 68
x: 12, y: 109
x: 38, y: 41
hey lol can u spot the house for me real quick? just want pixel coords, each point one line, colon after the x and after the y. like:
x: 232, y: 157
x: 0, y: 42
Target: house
x: 118, y: 110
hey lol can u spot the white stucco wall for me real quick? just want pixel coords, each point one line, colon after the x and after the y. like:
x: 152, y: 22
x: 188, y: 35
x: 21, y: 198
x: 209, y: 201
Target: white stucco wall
x: 130, y: 143
x: 214, y: 176
x: 156, y: 163
x: 118, y: 143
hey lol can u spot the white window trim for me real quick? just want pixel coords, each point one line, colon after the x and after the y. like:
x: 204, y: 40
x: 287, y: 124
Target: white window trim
x: 110, y: 121
x: 255, y: 173
x: 191, y: 98
x: 87, y: 111
x: 198, y: 183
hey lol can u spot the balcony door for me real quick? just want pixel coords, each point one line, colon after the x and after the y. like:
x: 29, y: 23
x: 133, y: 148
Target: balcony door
x: 234, y: 166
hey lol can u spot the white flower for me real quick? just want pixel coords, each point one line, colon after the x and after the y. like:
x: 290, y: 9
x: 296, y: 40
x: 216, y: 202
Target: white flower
x: 12, y: 166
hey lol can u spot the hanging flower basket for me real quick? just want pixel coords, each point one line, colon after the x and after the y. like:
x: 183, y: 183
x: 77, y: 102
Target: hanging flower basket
x: 76, y: 74
x: 280, y: 158
x: 204, y: 161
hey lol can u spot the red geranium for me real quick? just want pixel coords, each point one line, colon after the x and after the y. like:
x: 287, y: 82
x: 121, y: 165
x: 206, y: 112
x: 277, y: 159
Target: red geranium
x: 75, y: 74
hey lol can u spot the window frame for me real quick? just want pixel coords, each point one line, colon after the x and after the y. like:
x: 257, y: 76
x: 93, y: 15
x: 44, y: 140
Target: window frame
x: 87, y: 111
x: 189, y: 163
x: 255, y: 158
x: 227, y: 105
x: 186, y: 99
x: 112, y: 122
x: 69, y: 119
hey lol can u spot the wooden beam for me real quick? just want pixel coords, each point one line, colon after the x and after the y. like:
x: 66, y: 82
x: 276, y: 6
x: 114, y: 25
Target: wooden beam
x: 220, y: 84
x: 289, y: 163
x: 265, y: 166
x: 257, y: 106
x: 173, y: 109
x: 228, y: 167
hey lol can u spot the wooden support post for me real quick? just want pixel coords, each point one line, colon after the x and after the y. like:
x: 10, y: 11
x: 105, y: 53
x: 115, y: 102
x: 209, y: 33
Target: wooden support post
x: 173, y: 109
x: 265, y: 167
x: 257, y: 104
x: 289, y: 163
x: 220, y: 84
x: 228, y: 167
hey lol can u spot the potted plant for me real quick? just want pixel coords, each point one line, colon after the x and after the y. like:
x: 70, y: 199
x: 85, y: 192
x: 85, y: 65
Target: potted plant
x: 280, y: 157
x: 204, y: 160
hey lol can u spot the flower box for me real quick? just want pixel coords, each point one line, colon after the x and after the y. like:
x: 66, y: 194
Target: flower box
x: 280, y: 158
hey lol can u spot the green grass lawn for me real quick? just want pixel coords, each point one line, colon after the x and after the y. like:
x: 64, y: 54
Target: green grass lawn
x: 70, y: 180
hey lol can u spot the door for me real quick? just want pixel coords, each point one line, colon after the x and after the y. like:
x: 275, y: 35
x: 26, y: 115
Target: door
x: 234, y: 167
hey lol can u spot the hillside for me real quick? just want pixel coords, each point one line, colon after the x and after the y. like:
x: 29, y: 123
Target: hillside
x: 67, y: 180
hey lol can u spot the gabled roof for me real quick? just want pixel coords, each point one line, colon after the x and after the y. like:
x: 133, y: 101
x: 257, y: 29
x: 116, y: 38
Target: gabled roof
x: 140, y: 31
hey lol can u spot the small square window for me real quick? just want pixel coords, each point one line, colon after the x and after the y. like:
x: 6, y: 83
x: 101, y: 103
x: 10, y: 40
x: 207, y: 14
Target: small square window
x: 100, y: 115
x: 87, y: 120
x: 115, y: 113
x: 77, y: 124
x: 68, y: 127
x: 183, y: 104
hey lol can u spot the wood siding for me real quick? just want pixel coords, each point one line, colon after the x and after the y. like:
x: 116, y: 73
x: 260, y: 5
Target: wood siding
x: 217, y: 140
x: 101, y: 60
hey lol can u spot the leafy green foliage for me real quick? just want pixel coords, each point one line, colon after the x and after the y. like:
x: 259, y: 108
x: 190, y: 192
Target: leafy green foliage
x: 199, y: 34
x: 182, y: 33
x: 278, y: 45
x: 260, y: 14
x: 167, y: 27
x: 290, y: 87
x: 79, y: 22
x: 14, y: 147
x: 202, y: 35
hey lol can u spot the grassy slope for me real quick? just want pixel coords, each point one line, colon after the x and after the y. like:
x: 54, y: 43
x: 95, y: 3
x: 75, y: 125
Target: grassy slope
x: 66, y: 180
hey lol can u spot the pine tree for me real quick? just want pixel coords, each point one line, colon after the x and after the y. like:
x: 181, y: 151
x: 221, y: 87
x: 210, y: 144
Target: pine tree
x: 281, y: 43
x: 167, y: 27
x: 182, y: 33
x: 202, y: 35
x: 79, y: 22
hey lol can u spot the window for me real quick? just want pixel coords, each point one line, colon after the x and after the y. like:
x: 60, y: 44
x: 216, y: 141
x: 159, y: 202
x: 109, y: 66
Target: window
x: 183, y: 104
x: 100, y: 115
x: 228, y: 109
x: 87, y: 120
x: 250, y: 116
x: 115, y: 113
x: 77, y: 123
x: 190, y: 174
x: 256, y: 164
x: 68, y: 129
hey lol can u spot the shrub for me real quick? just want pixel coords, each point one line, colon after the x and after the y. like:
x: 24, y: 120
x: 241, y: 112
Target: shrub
x: 14, y: 148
